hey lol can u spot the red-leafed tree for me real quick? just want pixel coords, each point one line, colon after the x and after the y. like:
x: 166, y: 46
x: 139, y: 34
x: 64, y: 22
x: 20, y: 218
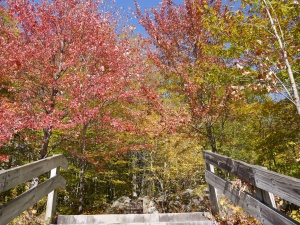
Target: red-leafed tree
x: 8, y: 110
x: 188, y: 54
x: 101, y: 97
x: 64, y: 62
x: 69, y: 69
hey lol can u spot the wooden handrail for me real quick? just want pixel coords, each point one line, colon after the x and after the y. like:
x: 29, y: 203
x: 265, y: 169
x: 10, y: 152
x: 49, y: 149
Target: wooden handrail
x: 18, y: 175
x: 262, y: 205
x: 285, y: 187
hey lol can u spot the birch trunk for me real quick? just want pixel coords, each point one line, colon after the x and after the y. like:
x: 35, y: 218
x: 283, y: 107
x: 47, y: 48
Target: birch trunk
x: 280, y: 40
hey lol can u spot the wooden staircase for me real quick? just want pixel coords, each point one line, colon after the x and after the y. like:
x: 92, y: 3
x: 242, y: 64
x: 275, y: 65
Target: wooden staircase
x: 197, y: 218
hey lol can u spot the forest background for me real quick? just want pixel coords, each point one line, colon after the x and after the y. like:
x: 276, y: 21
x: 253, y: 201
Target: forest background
x: 131, y: 112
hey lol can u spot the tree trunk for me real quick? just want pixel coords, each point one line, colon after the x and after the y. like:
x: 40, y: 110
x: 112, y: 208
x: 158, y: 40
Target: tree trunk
x: 46, y: 139
x: 296, y: 99
x: 81, y: 186
x: 211, y: 137
x: 134, y: 176
x: 82, y: 172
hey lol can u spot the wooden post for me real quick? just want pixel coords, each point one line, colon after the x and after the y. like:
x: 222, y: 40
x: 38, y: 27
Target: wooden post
x: 265, y: 196
x: 213, y: 196
x: 52, y: 197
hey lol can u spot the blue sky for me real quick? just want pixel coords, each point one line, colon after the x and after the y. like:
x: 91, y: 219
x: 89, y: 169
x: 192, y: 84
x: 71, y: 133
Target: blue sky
x: 144, y: 4
x: 128, y: 6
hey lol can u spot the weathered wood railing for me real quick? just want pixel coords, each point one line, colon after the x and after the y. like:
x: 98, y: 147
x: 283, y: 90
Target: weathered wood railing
x: 18, y: 175
x: 261, y: 203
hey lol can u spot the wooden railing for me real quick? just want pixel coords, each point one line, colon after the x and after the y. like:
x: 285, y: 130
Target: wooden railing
x: 260, y: 203
x: 18, y: 175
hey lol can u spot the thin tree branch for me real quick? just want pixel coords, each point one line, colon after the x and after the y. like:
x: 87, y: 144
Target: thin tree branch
x: 285, y: 57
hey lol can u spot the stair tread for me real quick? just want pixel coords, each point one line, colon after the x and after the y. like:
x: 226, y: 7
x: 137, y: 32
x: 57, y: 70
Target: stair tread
x: 196, y: 218
x: 156, y: 223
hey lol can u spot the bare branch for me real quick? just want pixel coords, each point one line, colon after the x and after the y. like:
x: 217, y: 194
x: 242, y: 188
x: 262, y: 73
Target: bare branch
x: 280, y: 40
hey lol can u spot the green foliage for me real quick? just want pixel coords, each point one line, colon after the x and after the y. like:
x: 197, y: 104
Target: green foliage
x: 216, y: 93
x: 272, y: 131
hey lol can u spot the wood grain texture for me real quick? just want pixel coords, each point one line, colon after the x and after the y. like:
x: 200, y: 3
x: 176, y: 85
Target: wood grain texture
x: 265, y: 197
x: 18, y: 175
x: 255, y: 208
x: 51, y: 199
x: 213, y: 195
x: 16, y: 206
x: 238, y: 168
x: 285, y: 187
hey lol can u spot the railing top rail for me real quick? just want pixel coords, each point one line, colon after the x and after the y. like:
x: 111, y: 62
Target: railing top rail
x: 18, y: 175
x: 284, y: 186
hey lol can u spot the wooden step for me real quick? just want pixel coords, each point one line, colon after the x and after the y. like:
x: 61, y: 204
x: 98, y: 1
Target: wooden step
x: 197, y: 218
x: 156, y: 223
